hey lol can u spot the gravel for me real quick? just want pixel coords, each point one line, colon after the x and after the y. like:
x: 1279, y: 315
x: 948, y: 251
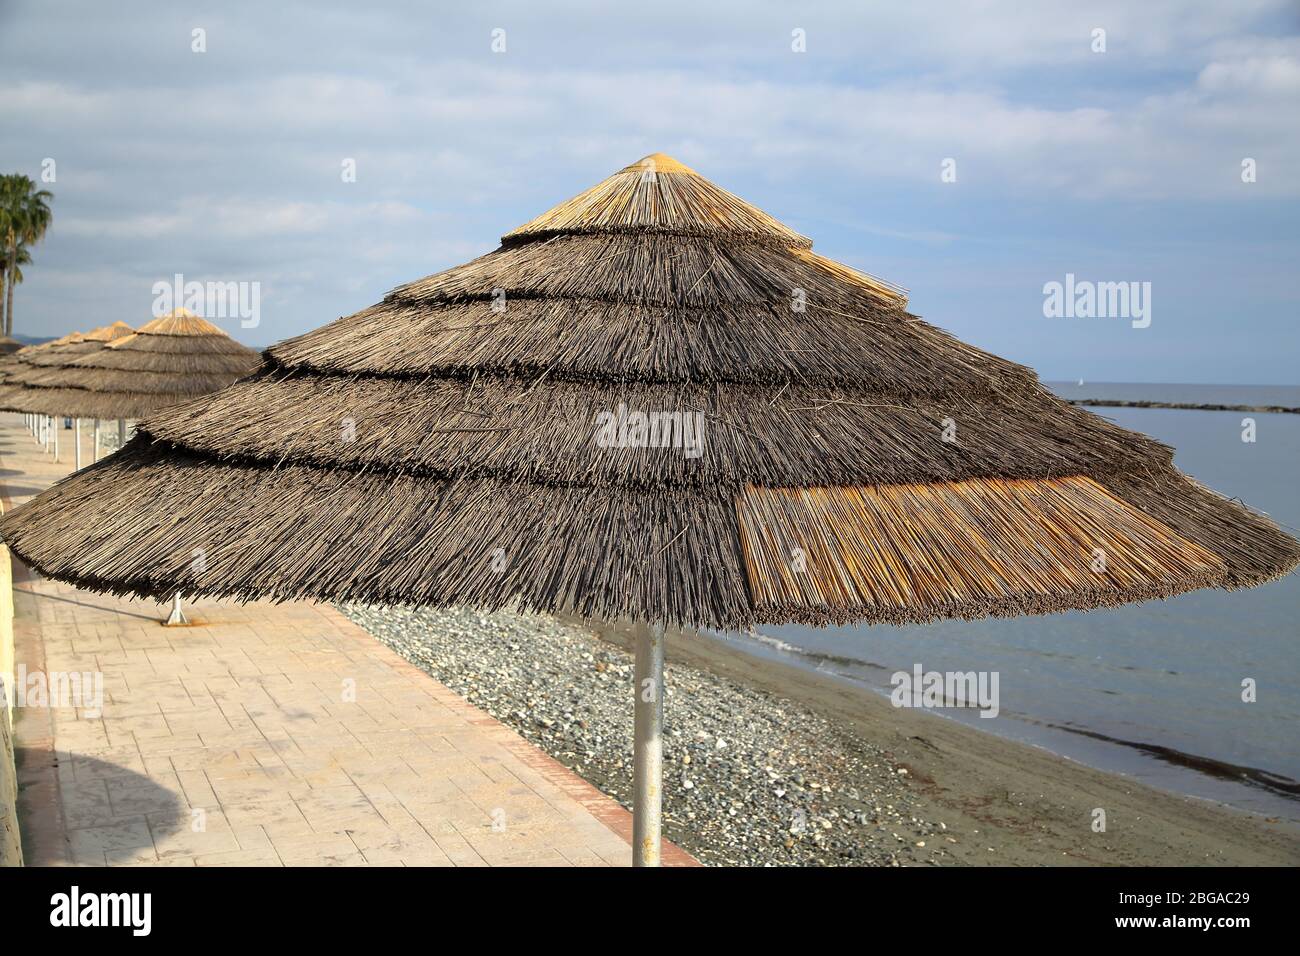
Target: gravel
x: 750, y: 778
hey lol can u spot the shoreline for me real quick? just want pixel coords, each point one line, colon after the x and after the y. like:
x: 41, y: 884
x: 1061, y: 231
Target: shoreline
x: 1012, y: 790
x: 769, y: 764
x: 1253, y: 789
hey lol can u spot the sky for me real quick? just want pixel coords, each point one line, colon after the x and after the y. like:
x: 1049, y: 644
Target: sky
x: 971, y: 152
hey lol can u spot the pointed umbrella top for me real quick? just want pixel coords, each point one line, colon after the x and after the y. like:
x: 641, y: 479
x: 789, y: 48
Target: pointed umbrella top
x: 180, y: 321
x: 108, y: 333
x: 659, y: 194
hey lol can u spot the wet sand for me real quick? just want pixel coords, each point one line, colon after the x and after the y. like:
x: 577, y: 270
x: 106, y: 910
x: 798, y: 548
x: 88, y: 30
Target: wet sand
x: 1004, y: 802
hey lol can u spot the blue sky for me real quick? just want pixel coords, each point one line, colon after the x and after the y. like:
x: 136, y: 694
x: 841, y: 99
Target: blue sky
x: 1115, y: 166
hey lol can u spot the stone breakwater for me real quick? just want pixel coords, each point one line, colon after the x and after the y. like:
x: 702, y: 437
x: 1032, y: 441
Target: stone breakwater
x: 750, y: 778
x: 1193, y: 406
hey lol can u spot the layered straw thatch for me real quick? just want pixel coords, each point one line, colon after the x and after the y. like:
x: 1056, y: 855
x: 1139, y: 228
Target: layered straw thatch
x: 16, y: 368
x: 130, y: 374
x: 813, y: 452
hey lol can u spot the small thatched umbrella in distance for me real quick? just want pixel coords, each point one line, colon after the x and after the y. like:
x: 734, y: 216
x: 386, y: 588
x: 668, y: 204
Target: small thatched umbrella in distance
x: 19, y: 359
x: 15, y: 359
x: 19, y: 362
x: 172, y: 358
x: 28, y: 366
x: 12, y: 360
x: 8, y: 346
x: 167, y: 360
x: 655, y: 403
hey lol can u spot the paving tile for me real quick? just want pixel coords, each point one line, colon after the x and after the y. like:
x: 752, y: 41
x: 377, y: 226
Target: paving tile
x: 125, y: 842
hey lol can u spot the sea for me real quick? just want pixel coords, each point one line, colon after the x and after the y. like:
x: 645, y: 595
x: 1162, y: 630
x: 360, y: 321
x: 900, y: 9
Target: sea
x: 1153, y: 690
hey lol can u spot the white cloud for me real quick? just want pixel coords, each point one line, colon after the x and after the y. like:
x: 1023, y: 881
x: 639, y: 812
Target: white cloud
x: 1266, y: 75
x: 242, y: 219
x: 228, y: 163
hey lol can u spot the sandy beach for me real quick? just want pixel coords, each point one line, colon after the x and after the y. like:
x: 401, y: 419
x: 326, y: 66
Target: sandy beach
x: 767, y: 764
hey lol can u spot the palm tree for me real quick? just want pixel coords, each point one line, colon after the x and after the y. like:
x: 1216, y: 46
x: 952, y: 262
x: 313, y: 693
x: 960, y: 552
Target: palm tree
x: 15, y: 277
x: 24, y: 217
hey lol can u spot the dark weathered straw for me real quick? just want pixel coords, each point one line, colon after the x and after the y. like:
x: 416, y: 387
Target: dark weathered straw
x: 506, y: 427
x: 851, y: 462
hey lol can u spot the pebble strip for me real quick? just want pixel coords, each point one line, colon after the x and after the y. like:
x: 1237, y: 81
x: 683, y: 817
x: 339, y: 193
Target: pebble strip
x: 750, y: 779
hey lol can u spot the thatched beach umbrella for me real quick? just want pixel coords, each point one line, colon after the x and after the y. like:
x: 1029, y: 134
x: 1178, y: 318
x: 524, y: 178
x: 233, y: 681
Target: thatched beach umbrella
x: 13, y: 359
x: 653, y: 403
x: 27, y: 368
x: 8, y: 346
x: 19, y: 359
x: 9, y: 360
x: 167, y: 360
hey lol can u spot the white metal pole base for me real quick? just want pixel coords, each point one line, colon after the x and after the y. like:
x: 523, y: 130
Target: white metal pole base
x: 94, y: 455
x: 647, y: 746
x: 177, y: 616
x: 76, y: 443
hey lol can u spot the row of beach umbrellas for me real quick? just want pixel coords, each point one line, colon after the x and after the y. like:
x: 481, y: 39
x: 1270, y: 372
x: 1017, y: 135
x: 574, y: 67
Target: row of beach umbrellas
x: 20, y: 365
x: 114, y: 372
x: 850, y: 462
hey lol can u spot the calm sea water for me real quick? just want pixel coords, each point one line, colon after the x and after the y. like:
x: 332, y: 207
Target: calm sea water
x: 1152, y: 690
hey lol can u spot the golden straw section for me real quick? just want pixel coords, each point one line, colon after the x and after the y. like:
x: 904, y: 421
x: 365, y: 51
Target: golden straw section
x: 659, y: 193
x: 895, y: 294
x: 967, y: 542
x: 180, y: 322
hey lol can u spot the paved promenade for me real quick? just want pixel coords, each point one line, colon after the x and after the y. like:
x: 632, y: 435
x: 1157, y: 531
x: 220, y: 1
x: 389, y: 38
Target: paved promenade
x: 269, y: 735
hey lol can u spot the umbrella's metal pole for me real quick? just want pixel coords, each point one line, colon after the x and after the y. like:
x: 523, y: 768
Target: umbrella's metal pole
x: 76, y: 443
x: 121, y: 432
x: 94, y: 455
x: 647, y: 746
x: 177, y: 617
x: 56, y: 424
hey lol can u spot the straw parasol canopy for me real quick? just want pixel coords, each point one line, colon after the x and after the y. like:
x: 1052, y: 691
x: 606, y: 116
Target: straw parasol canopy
x: 8, y: 346
x: 37, y: 360
x: 130, y: 374
x: 652, y: 402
